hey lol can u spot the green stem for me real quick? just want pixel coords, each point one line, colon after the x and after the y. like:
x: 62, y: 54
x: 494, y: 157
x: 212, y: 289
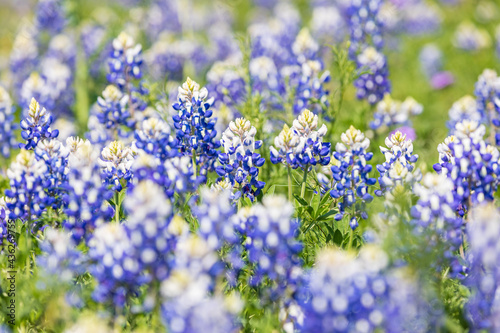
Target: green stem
x: 351, y: 237
x: 194, y: 163
x: 304, y: 181
x: 289, y: 184
x: 117, y: 208
x: 28, y: 240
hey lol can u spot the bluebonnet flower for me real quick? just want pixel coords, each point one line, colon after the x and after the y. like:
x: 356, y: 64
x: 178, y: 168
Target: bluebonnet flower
x: 92, y: 37
x: 399, y: 165
x: 266, y: 79
x: 347, y: 294
x: 55, y: 157
x: 470, y: 164
x: 115, y: 267
x: 466, y: 108
x: 62, y: 48
x: 420, y: 17
x: 214, y: 216
x: 239, y: 161
x: 273, y: 39
x: 50, y: 16
x: 431, y: 60
x: 350, y: 172
x: 175, y: 175
x: 168, y: 57
x: 302, y: 145
x: 307, y: 86
x: 487, y: 90
x: 58, y: 78
x: 189, y: 305
x: 26, y: 197
x: 7, y: 138
x: 162, y: 16
x: 24, y: 57
x: 60, y: 256
x: 482, y: 309
x: 124, y: 69
x: 470, y: 38
x: 273, y: 249
x: 35, y: 86
x: 116, y: 162
x: 365, y: 25
x: 154, y: 138
x: 148, y: 222
x: 390, y: 112
x: 374, y: 85
x: 327, y: 24
x: 226, y: 83
x: 86, y: 195
x: 194, y: 126
x: 125, y: 62
x: 36, y: 126
x: 4, y: 218
x: 435, y: 217
x: 114, y: 111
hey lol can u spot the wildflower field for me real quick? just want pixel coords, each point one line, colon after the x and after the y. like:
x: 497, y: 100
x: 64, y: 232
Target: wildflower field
x: 235, y: 166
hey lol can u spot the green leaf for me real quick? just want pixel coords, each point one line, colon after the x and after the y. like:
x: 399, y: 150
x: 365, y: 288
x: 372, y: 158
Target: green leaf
x: 271, y: 190
x: 300, y: 200
x: 327, y: 215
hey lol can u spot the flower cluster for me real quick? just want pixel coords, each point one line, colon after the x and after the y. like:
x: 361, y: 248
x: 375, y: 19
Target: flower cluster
x: 116, y: 161
x: 125, y: 62
x: 50, y: 16
x: 374, y: 84
x: 195, y: 126
x: 7, y: 139
x: 470, y: 164
x: 214, y: 216
x: 123, y: 99
x: 470, y: 38
x: 59, y: 255
x: 174, y: 175
x: 36, y: 126
x: 114, y: 111
x: 154, y: 138
x: 463, y: 109
x: 148, y: 226
x: 399, y: 165
x: 189, y: 306
x: 484, y: 275
x: 304, y: 77
x: 239, y: 161
x: 365, y: 25
x: 115, y: 267
x: 26, y: 197
x: 350, y: 179
x: 435, y: 216
x: 4, y: 218
x: 390, y: 112
x: 86, y: 196
x: 272, y: 247
x: 301, y: 145
x: 55, y: 156
x: 347, y: 294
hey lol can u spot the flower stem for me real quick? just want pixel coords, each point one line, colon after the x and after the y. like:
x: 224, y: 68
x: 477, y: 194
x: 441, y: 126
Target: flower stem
x: 194, y: 163
x: 351, y: 237
x: 289, y: 184
x: 304, y: 181
x: 117, y: 208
